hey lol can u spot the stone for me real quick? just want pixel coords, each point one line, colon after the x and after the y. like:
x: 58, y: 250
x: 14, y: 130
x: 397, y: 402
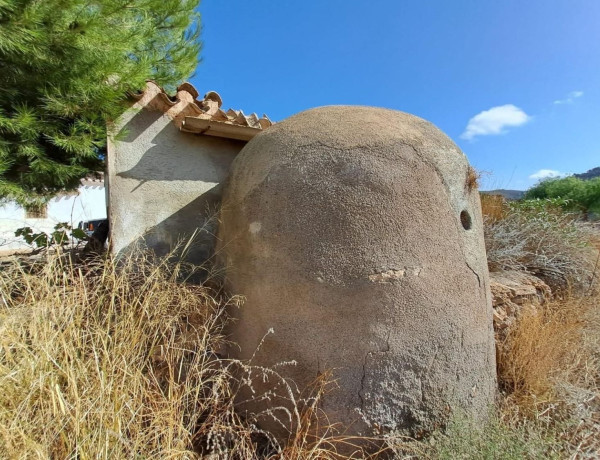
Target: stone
x: 355, y: 234
x: 511, y: 291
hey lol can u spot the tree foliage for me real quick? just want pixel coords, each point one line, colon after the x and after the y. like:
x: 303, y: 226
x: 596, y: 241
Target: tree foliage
x: 580, y: 195
x: 65, y: 69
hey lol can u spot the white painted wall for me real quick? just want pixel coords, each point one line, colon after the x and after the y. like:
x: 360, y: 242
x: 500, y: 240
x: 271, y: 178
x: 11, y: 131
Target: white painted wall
x: 88, y: 204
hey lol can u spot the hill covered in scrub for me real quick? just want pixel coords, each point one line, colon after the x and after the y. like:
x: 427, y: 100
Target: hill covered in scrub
x: 508, y: 194
x: 519, y: 194
x: 592, y: 173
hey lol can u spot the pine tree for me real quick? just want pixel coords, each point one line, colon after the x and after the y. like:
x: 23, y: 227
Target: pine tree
x: 66, y: 67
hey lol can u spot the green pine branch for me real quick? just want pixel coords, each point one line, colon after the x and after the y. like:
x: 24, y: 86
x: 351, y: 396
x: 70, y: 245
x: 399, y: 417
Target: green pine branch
x: 65, y: 69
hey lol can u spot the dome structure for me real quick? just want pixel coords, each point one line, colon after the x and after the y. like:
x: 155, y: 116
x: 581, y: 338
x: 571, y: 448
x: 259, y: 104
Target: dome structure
x: 355, y: 234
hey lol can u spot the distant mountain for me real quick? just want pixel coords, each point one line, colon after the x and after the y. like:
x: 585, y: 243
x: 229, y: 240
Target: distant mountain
x: 508, y: 194
x: 594, y: 172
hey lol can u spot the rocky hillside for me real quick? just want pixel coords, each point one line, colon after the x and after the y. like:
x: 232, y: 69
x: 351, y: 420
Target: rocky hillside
x: 594, y: 172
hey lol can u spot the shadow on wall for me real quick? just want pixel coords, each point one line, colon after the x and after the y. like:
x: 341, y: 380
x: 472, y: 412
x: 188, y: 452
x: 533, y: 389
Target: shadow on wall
x: 160, y: 172
x: 168, y: 159
x: 195, y: 223
x: 139, y: 123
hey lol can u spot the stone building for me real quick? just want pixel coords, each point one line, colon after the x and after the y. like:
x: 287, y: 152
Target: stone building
x: 355, y: 235
x: 167, y: 159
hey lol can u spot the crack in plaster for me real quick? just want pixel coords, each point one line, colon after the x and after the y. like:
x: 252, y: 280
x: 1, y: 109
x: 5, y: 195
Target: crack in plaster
x: 475, y: 273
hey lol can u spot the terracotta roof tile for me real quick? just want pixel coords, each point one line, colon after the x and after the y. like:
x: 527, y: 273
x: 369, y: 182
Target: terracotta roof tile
x: 203, y: 116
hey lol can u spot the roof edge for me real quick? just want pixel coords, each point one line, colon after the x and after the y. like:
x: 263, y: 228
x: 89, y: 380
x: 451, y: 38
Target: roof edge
x: 201, y: 116
x: 218, y: 129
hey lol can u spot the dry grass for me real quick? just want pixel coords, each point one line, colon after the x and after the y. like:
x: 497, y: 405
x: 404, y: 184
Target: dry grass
x: 107, y: 361
x: 549, y: 371
x: 493, y: 207
x: 547, y: 345
x: 549, y: 375
x: 472, y: 179
x: 120, y: 362
x: 549, y: 359
x: 540, y: 240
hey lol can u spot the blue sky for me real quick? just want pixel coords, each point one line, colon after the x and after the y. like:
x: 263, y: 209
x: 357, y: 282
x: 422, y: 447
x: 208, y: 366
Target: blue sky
x: 516, y: 84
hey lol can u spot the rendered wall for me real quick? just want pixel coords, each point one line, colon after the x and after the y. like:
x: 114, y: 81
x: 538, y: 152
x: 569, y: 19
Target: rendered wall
x: 164, y: 185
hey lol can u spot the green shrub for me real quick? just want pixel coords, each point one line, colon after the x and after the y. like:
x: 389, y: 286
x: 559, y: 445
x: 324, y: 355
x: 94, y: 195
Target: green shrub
x: 62, y: 235
x: 496, y: 441
x: 579, y: 195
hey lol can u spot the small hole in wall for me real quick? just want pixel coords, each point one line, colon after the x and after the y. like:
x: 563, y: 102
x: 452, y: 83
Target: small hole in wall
x: 465, y: 220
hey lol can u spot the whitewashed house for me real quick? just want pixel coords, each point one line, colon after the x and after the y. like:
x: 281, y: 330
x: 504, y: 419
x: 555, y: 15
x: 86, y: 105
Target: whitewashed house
x: 88, y: 202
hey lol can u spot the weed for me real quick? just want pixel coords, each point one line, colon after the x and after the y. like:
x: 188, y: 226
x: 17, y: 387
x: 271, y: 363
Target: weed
x: 549, y: 370
x: 472, y: 179
x: 541, y: 239
x: 497, y: 440
x: 120, y: 360
x: 493, y: 207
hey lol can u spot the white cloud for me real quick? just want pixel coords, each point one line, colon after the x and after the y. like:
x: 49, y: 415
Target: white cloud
x: 570, y: 97
x: 494, y: 121
x: 546, y: 174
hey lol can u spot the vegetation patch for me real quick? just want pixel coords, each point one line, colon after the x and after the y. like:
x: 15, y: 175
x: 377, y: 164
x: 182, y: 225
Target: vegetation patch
x: 539, y: 237
x: 122, y: 359
x: 578, y: 194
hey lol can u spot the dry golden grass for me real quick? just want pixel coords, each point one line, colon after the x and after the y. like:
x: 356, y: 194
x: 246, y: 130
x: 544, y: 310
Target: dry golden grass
x: 543, y: 346
x: 556, y: 343
x: 549, y: 359
x: 472, y: 179
x: 114, y: 362
x: 493, y: 207
x: 549, y: 371
x: 101, y: 363
x: 119, y: 361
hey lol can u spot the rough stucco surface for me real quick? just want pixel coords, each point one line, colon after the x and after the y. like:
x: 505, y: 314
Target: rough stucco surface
x: 341, y: 227
x: 164, y: 185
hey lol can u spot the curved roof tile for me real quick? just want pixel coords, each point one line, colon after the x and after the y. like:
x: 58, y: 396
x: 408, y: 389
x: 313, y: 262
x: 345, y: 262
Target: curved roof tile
x: 203, y: 116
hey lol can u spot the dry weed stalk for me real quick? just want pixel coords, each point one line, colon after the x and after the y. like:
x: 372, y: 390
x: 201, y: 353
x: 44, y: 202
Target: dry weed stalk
x: 119, y: 361
x: 551, y: 245
x: 472, y: 179
x: 542, y: 345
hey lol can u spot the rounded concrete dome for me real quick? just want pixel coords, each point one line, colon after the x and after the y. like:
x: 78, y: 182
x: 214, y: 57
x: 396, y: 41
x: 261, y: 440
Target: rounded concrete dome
x: 355, y: 234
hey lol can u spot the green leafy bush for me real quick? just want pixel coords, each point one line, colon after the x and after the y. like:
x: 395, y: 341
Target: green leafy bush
x: 62, y: 235
x: 579, y: 195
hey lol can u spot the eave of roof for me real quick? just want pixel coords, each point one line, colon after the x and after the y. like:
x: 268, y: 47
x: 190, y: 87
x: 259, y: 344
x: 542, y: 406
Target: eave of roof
x: 202, y: 116
x: 95, y: 179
